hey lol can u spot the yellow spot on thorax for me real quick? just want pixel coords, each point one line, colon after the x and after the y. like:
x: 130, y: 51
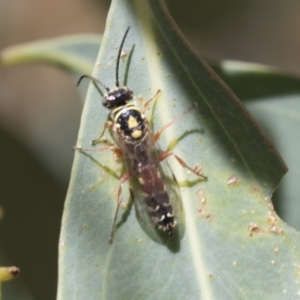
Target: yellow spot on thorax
x: 132, y: 122
x: 136, y: 134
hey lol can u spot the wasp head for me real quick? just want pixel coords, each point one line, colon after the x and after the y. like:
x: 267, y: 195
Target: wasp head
x: 118, y: 97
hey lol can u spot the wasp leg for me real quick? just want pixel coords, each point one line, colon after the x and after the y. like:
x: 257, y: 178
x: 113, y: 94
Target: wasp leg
x: 107, y: 124
x: 123, y: 179
x: 164, y: 127
x: 194, y: 170
x: 164, y: 155
x: 148, y: 101
x: 116, y: 150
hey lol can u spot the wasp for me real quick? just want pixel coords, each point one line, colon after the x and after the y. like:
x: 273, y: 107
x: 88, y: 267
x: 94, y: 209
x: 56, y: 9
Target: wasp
x: 158, y: 203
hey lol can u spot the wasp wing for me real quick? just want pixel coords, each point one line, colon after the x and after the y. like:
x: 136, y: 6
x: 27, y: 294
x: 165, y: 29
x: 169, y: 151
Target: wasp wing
x: 157, y: 202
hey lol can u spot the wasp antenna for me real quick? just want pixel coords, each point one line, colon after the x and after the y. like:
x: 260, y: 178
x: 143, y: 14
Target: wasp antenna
x: 94, y: 80
x: 119, y: 57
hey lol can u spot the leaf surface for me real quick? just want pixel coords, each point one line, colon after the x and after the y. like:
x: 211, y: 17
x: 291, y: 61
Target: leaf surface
x: 234, y: 245
x: 75, y: 54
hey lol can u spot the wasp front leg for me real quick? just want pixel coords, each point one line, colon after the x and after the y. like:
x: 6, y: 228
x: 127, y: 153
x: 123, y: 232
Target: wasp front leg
x: 108, y: 124
x: 145, y: 105
x: 117, y: 151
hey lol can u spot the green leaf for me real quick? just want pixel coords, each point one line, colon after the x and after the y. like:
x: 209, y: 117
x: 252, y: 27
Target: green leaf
x: 234, y: 245
x: 272, y: 97
x: 75, y: 54
x: 280, y: 118
x: 252, y: 81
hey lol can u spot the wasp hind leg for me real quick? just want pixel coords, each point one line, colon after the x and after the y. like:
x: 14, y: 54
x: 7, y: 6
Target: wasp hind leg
x: 164, y: 155
x: 123, y: 179
x: 195, y: 170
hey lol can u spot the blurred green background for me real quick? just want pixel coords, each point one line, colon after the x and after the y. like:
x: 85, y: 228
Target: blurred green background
x: 40, y: 109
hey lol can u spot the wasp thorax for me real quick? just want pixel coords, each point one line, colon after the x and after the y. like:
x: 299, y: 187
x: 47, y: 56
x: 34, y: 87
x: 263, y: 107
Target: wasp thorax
x: 118, y: 97
x: 130, y: 120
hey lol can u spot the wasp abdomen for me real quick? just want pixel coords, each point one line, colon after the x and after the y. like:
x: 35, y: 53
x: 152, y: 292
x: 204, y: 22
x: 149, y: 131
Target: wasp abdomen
x: 161, y: 212
x: 157, y: 199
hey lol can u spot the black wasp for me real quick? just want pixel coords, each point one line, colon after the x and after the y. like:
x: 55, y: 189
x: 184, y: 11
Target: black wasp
x: 157, y: 201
